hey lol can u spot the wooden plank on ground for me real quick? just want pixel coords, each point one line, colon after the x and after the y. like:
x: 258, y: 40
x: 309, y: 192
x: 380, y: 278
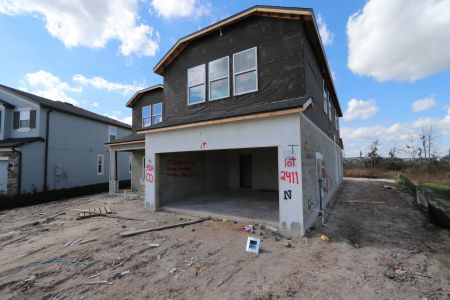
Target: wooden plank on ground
x: 139, y: 231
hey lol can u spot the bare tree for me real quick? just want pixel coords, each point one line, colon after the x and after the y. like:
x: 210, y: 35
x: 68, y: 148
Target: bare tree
x: 427, y: 138
x: 373, y: 152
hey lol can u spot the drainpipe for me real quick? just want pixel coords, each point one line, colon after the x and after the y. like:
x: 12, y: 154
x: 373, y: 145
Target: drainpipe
x: 19, y: 183
x: 47, y: 130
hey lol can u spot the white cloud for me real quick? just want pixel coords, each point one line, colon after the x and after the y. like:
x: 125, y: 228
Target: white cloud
x: 101, y: 83
x: 95, y: 104
x: 325, y: 34
x: 181, y: 9
x: 126, y: 120
x: 91, y: 23
x: 360, y: 109
x: 423, y: 104
x: 47, y: 85
x: 394, y: 134
x: 402, y: 40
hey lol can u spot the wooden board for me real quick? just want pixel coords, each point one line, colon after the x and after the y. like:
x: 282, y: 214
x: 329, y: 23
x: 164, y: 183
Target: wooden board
x: 139, y: 231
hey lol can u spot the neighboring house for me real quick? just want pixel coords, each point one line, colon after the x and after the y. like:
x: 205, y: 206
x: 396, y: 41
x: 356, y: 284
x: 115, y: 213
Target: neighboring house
x: 51, y: 145
x: 250, y: 122
x: 146, y: 107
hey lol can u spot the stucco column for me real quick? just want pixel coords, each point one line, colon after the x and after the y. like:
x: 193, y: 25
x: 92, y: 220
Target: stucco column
x: 150, y: 174
x: 290, y: 189
x: 113, y: 182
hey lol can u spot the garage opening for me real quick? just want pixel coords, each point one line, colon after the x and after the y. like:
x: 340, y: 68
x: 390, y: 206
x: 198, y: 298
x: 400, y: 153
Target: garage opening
x: 240, y: 183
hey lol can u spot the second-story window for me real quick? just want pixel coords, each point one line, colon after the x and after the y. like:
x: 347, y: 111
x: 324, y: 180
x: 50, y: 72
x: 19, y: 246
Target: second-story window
x: 112, y: 133
x: 24, y: 119
x: 196, y: 84
x: 146, y: 116
x: 219, y: 83
x: 325, y: 98
x: 329, y: 107
x: 245, y: 71
x: 157, y: 113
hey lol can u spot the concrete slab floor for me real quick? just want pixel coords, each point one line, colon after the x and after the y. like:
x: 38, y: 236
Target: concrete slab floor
x: 236, y: 205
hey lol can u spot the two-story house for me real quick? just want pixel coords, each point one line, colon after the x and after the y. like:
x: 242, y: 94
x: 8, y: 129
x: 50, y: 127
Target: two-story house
x: 250, y: 122
x: 51, y: 145
x: 146, y: 105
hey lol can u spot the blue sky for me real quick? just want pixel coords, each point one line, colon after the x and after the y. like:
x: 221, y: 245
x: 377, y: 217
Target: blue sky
x: 385, y: 55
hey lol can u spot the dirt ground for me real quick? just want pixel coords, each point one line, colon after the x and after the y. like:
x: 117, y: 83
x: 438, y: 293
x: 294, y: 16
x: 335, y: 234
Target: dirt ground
x: 382, y: 250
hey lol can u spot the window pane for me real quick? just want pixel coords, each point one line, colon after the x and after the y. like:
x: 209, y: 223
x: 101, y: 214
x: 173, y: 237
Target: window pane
x: 197, y: 94
x: 146, y: 122
x: 24, y: 124
x: 245, y: 60
x: 219, y: 89
x: 218, y: 68
x: 157, y: 119
x: 25, y: 115
x: 157, y: 109
x: 196, y: 75
x: 245, y: 82
x: 146, y: 111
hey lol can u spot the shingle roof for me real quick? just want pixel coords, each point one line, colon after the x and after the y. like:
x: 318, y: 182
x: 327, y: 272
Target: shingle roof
x: 65, y: 107
x: 134, y: 137
x: 17, y: 142
x: 140, y: 92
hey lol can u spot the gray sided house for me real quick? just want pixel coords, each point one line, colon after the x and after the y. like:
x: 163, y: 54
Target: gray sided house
x: 146, y: 108
x: 51, y: 145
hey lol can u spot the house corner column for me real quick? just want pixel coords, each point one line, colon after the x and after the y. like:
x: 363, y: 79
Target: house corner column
x: 113, y: 182
x: 290, y: 193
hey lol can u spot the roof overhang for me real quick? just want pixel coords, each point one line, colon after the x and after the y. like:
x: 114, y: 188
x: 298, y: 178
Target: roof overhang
x: 269, y: 114
x: 140, y: 92
x: 293, y: 13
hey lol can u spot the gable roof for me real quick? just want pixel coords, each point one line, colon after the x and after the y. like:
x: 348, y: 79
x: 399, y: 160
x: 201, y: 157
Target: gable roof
x: 65, y: 107
x: 293, y: 13
x: 140, y: 92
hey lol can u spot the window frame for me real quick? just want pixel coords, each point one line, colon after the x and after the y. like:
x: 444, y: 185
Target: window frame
x: 245, y: 71
x: 188, y: 86
x: 100, y: 163
x: 153, y: 115
x: 149, y: 117
x: 218, y: 79
x: 325, y: 97
x: 109, y: 133
x: 330, y: 108
x: 20, y: 119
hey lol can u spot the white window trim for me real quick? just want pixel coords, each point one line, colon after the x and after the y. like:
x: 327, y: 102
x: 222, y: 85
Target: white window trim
x: 188, y: 86
x: 109, y: 133
x: 142, y: 116
x: 152, y: 115
x: 245, y: 71
x: 23, y: 109
x: 103, y: 163
x: 219, y: 78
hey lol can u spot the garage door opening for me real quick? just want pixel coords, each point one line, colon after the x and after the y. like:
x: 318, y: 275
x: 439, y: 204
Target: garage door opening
x: 239, y: 183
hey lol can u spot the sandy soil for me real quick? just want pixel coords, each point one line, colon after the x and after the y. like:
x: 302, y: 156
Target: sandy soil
x: 368, y: 242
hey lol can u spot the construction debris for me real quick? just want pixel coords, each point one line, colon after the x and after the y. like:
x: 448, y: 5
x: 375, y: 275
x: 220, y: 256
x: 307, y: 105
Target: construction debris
x: 88, y: 241
x: 364, y: 202
x: 124, y: 273
x: 99, y: 282
x: 388, y: 187
x: 172, y: 271
x: 324, y: 237
x: 136, y: 232
x: 249, y: 228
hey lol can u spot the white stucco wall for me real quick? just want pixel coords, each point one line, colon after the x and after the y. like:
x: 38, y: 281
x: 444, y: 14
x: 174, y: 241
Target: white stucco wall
x: 282, y: 132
